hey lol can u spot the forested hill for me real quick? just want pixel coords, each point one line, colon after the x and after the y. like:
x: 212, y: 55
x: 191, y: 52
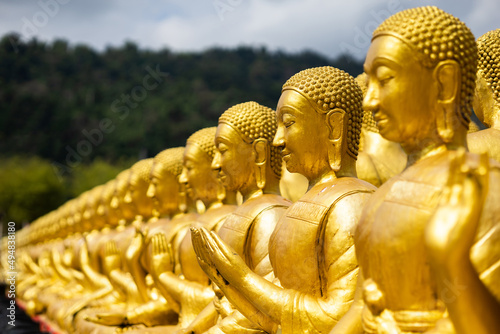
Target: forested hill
x: 54, y: 96
x: 72, y: 118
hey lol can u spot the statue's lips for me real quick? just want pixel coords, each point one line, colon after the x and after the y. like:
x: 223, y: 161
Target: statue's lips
x: 379, y: 117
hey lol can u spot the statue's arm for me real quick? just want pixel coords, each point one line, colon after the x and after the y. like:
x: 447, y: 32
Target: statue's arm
x: 350, y: 323
x: 96, y: 279
x: 58, y: 267
x: 205, y: 319
x: 450, y: 235
x: 226, y: 268
x: 247, y: 309
x: 132, y: 256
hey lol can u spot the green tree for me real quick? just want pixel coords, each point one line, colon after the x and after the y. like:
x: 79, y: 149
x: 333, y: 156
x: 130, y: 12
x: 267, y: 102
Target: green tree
x: 29, y: 189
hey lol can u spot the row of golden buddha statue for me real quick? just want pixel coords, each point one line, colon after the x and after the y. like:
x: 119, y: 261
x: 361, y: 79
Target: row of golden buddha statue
x: 199, y: 238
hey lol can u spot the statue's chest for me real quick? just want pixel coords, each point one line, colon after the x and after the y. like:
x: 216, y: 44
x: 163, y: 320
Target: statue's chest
x: 404, y: 213
x: 392, y: 250
x: 296, y: 246
x: 237, y: 229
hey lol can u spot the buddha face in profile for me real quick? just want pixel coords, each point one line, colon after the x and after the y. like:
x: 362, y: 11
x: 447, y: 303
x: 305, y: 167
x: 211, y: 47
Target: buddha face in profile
x: 164, y: 186
x: 233, y: 158
x: 399, y: 99
x: 139, y: 184
x: 202, y: 183
x: 318, y: 117
x: 420, y: 77
x: 244, y: 155
x: 300, y: 131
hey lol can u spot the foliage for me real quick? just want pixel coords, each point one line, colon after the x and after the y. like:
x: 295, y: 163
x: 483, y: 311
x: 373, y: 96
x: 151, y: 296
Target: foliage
x: 29, y: 188
x: 86, y: 177
x: 52, y: 92
x: 89, y: 114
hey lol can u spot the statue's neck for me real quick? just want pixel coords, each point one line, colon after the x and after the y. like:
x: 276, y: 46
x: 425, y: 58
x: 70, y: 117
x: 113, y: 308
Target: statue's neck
x: 347, y: 169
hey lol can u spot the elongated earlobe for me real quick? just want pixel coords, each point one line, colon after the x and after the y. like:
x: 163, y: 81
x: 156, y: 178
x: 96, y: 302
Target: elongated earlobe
x: 335, y: 121
x: 261, y: 149
x: 447, y: 74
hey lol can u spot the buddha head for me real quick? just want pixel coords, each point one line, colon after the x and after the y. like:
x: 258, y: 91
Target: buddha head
x: 140, y: 179
x: 421, y: 68
x: 73, y: 216
x: 164, y: 188
x: 319, y: 122
x: 487, y: 93
x: 120, y: 201
x: 90, y: 211
x: 202, y: 183
x: 244, y: 157
x: 103, y: 210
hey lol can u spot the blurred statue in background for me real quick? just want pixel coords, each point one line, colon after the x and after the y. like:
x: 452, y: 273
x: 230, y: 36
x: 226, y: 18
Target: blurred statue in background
x: 189, y: 291
x: 247, y: 162
x: 487, y: 96
x: 421, y: 69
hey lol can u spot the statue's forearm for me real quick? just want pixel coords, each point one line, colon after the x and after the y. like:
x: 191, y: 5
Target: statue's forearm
x: 174, y: 286
x: 96, y: 279
x: 206, y: 319
x: 470, y: 297
x: 248, y: 309
x: 139, y: 276
x: 264, y: 295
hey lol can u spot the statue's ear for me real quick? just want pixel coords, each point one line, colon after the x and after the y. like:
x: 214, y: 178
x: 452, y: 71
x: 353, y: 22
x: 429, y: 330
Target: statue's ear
x: 335, y: 121
x: 447, y: 75
x: 261, y: 150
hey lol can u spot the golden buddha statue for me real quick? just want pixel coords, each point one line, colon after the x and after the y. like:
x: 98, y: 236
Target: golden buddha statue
x: 157, y: 184
x: 123, y: 251
x: 421, y: 68
x: 487, y: 96
x: 192, y: 292
x: 378, y: 159
x: 176, y: 209
x: 319, y: 121
x: 247, y: 162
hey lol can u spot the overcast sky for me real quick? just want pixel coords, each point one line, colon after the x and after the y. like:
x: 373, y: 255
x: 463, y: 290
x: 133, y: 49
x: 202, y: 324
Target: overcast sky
x: 326, y: 26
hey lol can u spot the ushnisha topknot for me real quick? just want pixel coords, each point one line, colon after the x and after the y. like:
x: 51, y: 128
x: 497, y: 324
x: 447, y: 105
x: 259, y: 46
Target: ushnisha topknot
x: 171, y: 159
x: 369, y: 123
x: 254, y: 121
x: 141, y: 170
x: 436, y: 36
x: 205, y: 140
x: 329, y: 88
x: 488, y: 52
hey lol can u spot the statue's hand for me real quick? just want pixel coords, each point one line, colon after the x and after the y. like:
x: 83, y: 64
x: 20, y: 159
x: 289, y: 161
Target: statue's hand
x: 112, y: 258
x: 204, y: 259
x: 228, y: 262
x: 109, y: 318
x: 161, y: 257
x: 136, y: 246
x: 84, y: 252
x: 451, y: 231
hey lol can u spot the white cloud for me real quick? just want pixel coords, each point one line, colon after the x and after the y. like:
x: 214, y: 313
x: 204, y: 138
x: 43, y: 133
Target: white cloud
x: 292, y: 25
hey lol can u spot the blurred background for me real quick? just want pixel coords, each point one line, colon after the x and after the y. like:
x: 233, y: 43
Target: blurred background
x: 89, y: 87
